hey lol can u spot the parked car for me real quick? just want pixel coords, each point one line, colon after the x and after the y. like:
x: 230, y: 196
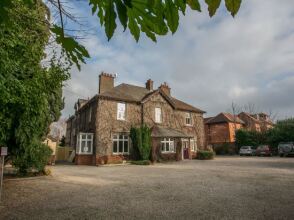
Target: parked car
x: 286, y: 148
x: 246, y: 150
x: 263, y: 150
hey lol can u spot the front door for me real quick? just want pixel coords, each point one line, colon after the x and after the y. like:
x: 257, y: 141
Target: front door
x: 185, y: 146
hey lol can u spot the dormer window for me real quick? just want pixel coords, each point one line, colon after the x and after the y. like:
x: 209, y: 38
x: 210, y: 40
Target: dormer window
x: 157, y: 115
x: 188, y: 118
x: 121, y: 111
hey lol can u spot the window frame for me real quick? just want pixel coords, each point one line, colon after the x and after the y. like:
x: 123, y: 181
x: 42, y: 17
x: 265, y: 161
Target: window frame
x: 193, y: 146
x: 90, y: 114
x: 164, y: 143
x: 79, y: 143
x: 188, y: 116
x: 123, y: 141
x: 156, y: 115
x: 118, y: 111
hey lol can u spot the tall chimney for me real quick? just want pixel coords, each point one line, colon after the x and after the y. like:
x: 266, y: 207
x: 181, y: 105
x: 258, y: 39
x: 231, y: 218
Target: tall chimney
x: 165, y: 88
x: 106, y: 82
x: 149, y: 85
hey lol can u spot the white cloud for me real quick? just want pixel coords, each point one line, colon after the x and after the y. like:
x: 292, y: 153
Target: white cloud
x: 208, y: 62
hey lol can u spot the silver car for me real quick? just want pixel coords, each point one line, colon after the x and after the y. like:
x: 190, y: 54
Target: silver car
x: 286, y: 148
x: 246, y: 150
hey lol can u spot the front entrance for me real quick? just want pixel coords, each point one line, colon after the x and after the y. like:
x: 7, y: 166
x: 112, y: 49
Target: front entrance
x: 185, y: 147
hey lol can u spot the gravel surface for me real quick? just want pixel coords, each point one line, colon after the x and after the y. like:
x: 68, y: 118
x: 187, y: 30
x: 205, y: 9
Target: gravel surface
x: 225, y: 188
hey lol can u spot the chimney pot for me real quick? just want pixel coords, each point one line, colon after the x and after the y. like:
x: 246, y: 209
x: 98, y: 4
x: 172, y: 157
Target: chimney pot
x: 165, y: 88
x: 149, y: 85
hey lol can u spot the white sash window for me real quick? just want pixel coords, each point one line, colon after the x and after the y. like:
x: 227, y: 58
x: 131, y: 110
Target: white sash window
x: 85, y: 143
x: 120, y: 143
x: 167, y: 145
x: 121, y: 111
x: 193, y: 144
x: 188, y: 118
x: 158, y: 115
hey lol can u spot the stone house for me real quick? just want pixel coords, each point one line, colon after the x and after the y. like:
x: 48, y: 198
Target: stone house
x: 99, y: 129
x: 221, y: 129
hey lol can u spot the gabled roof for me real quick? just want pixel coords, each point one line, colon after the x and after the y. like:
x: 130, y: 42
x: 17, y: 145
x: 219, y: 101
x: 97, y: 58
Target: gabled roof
x: 249, y: 116
x: 224, y: 117
x: 126, y: 92
x: 131, y: 93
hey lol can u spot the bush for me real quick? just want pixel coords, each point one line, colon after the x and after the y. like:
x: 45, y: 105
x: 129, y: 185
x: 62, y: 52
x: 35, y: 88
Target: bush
x: 141, y: 162
x: 34, y: 156
x: 141, y: 140
x: 205, y: 155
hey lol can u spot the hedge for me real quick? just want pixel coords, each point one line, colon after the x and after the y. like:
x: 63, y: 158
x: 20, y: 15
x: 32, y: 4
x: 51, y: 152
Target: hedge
x: 205, y: 155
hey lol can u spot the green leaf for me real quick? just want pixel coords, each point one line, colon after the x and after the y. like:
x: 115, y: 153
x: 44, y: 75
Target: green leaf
x: 172, y: 15
x: 233, y: 6
x: 181, y: 5
x: 122, y: 13
x: 213, y: 5
x: 133, y: 26
x: 109, y: 19
x: 194, y: 4
x: 74, y: 51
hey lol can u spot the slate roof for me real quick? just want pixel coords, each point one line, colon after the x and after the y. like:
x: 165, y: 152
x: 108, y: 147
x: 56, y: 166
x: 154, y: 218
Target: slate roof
x: 158, y: 131
x: 131, y: 93
x: 224, y: 117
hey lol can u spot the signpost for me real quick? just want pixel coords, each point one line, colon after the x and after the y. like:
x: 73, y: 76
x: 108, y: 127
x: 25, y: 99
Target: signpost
x: 3, y: 153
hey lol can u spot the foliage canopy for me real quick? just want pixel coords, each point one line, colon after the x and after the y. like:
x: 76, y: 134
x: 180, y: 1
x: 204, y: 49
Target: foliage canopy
x: 152, y: 17
x: 31, y: 94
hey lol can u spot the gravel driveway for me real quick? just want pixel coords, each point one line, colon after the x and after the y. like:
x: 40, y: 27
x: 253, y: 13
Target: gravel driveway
x: 225, y: 188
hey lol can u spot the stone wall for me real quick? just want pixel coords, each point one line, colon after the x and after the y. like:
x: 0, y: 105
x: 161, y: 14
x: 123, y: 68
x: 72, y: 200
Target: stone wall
x: 107, y: 123
x: 174, y: 118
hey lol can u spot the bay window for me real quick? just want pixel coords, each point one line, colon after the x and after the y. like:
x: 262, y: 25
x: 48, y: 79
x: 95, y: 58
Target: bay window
x: 85, y: 143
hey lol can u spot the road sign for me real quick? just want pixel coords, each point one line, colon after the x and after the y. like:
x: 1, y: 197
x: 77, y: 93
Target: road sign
x: 3, y: 151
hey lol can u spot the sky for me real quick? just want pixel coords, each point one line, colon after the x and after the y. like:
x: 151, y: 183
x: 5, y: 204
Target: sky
x: 208, y: 62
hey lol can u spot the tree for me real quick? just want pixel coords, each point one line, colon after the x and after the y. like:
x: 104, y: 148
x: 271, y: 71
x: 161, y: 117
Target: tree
x: 153, y: 17
x: 31, y: 94
x: 141, y: 141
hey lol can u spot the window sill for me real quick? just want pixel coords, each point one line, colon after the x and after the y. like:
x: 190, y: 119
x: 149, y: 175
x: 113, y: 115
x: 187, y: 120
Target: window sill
x: 119, y: 119
x: 168, y: 152
x: 84, y: 153
x: 120, y: 153
x: 188, y: 125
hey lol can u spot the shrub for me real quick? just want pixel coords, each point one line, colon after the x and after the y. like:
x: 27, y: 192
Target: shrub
x: 141, y: 162
x: 141, y: 140
x: 33, y: 156
x: 205, y: 155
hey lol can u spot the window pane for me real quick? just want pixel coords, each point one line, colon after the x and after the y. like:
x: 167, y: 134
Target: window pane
x: 162, y: 147
x: 114, y: 136
x: 89, y: 136
x: 126, y: 150
x: 167, y: 146
x: 172, y: 146
x: 120, y: 150
x: 83, y: 136
x: 120, y: 136
x: 89, y: 146
x: 114, y: 150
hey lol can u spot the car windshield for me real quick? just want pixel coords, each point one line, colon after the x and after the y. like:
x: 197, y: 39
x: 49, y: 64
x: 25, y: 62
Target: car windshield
x: 245, y: 147
x: 285, y: 145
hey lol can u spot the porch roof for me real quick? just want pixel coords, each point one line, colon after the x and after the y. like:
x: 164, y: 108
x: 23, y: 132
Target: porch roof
x: 158, y: 131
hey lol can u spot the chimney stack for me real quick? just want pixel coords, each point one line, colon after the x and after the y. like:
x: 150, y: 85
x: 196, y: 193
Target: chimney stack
x: 165, y: 88
x: 149, y: 85
x: 106, y: 82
